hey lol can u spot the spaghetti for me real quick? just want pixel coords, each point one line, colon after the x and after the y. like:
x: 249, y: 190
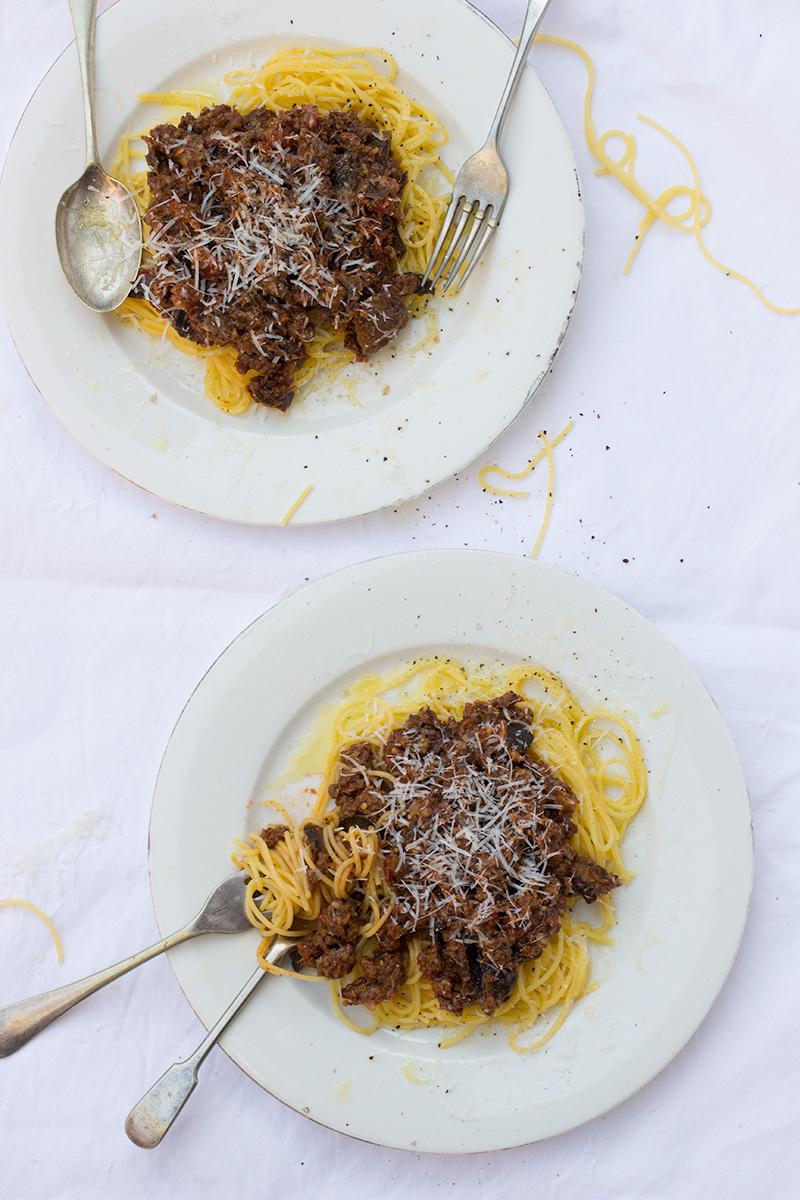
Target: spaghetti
x: 595, y: 755
x: 42, y: 915
x: 695, y: 213
x: 332, y: 80
x: 546, y: 453
x: 298, y: 504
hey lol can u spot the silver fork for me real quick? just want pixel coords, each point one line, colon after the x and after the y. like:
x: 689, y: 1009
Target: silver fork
x: 481, y: 188
x: 223, y: 912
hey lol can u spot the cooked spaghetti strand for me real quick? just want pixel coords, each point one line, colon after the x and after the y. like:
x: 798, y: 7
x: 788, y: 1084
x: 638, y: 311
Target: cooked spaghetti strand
x: 691, y: 219
x: 594, y: 753
x: 299, y: 502
x: 545, y: 454
x: 360, y: 80
x: 42, y: 915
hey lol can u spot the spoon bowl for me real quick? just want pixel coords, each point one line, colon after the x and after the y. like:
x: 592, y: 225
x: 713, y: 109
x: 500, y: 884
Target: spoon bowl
x: 98, y: 227
x: 99, y: 239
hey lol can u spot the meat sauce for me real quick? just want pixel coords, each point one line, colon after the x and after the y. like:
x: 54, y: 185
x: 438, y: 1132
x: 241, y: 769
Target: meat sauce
x: 475, y: 833
x: 266, y: 228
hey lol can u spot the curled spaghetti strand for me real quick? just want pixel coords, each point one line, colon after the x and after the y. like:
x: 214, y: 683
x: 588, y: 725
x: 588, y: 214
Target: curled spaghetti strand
x: 545, y: 454
x: 43, y: 917
x: 694, y: 207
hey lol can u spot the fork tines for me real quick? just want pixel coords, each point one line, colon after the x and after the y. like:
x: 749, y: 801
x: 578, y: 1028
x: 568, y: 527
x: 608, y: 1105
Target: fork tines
x: 466, y: 231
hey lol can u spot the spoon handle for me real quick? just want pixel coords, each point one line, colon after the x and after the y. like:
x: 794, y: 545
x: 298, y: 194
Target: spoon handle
x: 22, y: 1021
x: 150, y: 1119
x: 83, y: 21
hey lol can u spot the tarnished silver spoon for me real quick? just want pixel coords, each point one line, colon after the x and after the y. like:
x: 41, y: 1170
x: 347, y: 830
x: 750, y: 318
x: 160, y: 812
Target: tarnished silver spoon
x: 98, y: 228
x: 223, y: 912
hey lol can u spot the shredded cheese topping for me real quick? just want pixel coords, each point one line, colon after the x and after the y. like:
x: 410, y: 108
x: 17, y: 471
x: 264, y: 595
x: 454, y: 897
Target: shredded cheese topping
x: 596, y: 754
x: 361, y: 80
x: 483, y: 808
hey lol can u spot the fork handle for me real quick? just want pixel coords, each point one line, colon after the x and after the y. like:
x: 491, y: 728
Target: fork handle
x: 24, y: 1020
x: 533, y: 19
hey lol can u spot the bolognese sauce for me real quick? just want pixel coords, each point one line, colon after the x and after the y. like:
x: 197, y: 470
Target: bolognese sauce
x: 266, y: 227
x: 475, y: 836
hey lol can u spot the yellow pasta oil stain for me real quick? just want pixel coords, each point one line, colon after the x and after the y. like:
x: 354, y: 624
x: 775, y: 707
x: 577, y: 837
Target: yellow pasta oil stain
x: 650, y: 941
x: 408, y: 1071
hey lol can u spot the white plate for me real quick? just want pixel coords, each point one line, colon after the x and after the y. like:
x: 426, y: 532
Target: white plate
x: 680, y: 920
x: 138, y: 406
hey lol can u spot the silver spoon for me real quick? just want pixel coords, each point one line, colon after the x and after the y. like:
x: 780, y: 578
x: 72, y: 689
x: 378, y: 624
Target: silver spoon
x: 98, y: 228
x: 150, y: 1119
x: 223, y: 912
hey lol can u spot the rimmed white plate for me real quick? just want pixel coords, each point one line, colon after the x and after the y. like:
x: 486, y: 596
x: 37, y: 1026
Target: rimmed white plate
x: 384, y: 432
x: 679, y: 922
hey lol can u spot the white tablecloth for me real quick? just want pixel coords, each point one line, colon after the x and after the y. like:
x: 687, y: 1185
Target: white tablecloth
x: 679, y: 490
